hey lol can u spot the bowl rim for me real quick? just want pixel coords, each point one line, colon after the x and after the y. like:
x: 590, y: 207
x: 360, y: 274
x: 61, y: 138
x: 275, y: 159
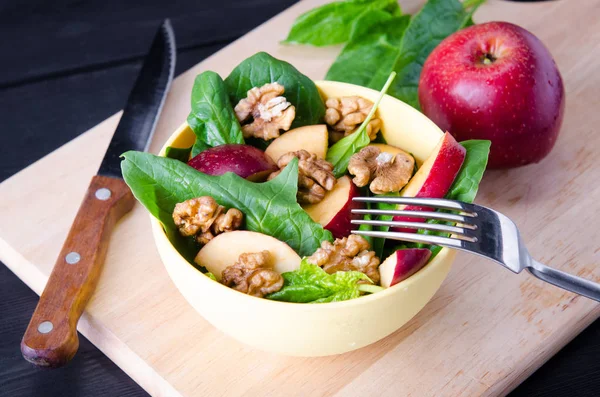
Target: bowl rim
x: 437, y: 261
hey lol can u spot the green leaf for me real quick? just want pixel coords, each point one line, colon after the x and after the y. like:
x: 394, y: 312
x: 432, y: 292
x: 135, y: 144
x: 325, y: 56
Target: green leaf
x: 310, y: 283
x: 467, y: 181
x: 181, y: 154
x: 339, y: 154
x: 211, y: 276
x: 434, y: 22
x: 369, y: 56
x: 472, y: 5
x: 212, y: 118
x: 300, y: 91
x: 270, y: 208
x: 331, y: 23
x: 465, y: 185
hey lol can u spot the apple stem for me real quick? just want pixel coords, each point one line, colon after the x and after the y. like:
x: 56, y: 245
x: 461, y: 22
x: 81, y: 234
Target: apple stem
x: 488, y: 59
x: 370, y: 288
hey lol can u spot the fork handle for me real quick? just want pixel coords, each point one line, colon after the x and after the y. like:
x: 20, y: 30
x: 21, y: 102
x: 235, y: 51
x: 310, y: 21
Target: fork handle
x: 566, y: 281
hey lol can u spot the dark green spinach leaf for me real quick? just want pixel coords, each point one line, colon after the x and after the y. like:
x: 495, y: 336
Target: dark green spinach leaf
x: 330, y: 24
x: 311, y: 284
x: 300, y: 91
x: 270, y: 208
x: 212, y: 118
x: 434, y: 22
x: 181, y: 154
x: 371, y: 52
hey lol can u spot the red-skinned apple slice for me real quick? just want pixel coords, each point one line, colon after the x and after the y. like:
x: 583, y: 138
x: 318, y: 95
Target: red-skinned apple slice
x: 225, y: 249
x: 434, y: 178
x: 334, y: 212
x: 402, y: 264
x: 244, y: 160
x: 312, y: 138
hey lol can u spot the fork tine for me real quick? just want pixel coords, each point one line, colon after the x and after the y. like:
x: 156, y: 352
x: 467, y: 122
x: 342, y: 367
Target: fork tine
x: 413, y: 225
x: 422, y: 202
x: 442, y: 216
x: 415, y: 238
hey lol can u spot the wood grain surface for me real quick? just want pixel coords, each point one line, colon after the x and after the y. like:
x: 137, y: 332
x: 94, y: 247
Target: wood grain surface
x: 483, y: 332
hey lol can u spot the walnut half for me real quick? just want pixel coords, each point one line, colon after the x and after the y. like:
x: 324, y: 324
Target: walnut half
x: 344, y: 115
x: 268, y: 110
x: 204, y: 218
x: 386, y: 173
x: 345, y: 254
x: 315, y: 176
x: 253, y: 274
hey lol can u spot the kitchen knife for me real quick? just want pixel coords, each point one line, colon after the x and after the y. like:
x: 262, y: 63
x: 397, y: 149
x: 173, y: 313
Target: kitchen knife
x: 51, y: 336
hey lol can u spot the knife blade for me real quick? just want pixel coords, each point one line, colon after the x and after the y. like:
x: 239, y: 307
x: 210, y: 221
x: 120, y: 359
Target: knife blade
x: 51, y: 336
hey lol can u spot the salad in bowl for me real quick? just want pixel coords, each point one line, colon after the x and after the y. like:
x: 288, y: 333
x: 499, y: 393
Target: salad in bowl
x: 251, y: 201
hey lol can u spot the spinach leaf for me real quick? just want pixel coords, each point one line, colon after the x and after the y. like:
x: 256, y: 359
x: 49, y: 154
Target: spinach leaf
x: 330, y: 24
x: 433, y: 23
x: 339, y: 154
x: 300, y: 91
x: 465, y: 186
x: 211, y: 276
x: 310, y: 283
x: 270, y: 208
x: 467, y: 181
x: 181, y: 154
x: 377, y: 243
x: 370, y: 54
x: 212, y: 118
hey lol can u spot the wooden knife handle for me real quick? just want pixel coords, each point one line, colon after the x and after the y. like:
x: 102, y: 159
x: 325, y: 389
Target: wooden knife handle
x: 51, y: 336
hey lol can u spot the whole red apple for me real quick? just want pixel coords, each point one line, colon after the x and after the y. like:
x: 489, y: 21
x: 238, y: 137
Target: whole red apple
x: 495, y: 81
x: 244, y: 160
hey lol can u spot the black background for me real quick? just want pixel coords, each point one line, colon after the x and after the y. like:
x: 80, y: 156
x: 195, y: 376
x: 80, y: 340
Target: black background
x: 66, y: 66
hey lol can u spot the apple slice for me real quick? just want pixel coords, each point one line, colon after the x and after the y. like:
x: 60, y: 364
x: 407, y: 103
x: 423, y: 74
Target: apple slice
x: 434, y: 178
x: 312, y: 138
x: 244, y: 160
x: 388, y: 148
x: 402, y: 264
x: 225, y: 249
x: 334, y: 211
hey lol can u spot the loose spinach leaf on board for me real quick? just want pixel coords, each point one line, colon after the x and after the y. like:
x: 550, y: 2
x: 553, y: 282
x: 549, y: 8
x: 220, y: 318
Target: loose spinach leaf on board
x: 371, y: 52
x: 212, y: 118
x: 433, y: 23
x: 270, y: 208
x: 300, y: 91
x: 330, y: 24
x: 339, y: 154
x: 181, y: 154
x: 311, y: 284
x: 465, y: 185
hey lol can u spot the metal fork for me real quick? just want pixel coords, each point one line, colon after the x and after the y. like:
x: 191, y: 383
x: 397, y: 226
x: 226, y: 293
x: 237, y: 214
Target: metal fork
x: 478, y: 230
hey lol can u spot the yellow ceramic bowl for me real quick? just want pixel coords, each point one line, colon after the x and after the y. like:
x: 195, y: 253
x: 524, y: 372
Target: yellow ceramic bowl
x: 327, y: 328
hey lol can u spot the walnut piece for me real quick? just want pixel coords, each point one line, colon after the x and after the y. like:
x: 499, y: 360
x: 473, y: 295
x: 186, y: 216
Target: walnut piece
x: 386, y: 173
x: 346, y: 114
x: 253, y: 274
x: 204, y: 218
x: 345, y: 254
x: 315, y: 176
x: 267, y: 110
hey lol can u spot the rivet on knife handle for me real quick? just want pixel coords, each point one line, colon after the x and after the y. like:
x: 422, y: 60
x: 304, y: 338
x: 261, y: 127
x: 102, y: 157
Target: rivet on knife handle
x: 51, y: 337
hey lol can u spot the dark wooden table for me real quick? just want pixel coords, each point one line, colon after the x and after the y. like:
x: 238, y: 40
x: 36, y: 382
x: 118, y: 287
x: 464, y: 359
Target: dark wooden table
x: 66, y: 66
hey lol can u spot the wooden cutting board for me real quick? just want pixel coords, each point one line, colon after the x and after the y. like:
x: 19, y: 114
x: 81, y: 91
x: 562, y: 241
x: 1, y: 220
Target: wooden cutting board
x: 484, y: 331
